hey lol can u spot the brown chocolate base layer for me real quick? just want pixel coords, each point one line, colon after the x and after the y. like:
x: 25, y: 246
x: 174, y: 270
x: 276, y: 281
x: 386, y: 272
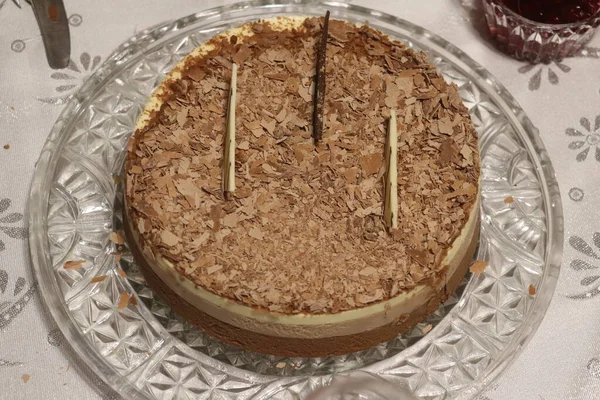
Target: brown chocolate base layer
x: 296, y: 347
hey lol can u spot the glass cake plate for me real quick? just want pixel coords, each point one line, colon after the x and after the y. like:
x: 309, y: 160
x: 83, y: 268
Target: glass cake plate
x: 144, y: 351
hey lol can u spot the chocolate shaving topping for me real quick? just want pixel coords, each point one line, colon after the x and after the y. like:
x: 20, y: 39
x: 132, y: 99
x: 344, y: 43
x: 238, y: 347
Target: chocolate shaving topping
x: 320, y: 83
x: 304, y: 230
x: 73, y: 265
x: 478, y: 267
x: 97, y: 279
x: 117, y: 237
x: 123, y: 300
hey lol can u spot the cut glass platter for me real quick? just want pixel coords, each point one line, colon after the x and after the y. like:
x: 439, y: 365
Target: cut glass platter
x: 144, y: 351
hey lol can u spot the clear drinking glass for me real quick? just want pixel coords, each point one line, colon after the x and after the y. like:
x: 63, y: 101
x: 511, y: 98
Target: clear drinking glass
x: 361, y: 385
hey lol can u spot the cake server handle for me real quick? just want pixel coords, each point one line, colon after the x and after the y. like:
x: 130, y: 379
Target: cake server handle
x: 54, y: 27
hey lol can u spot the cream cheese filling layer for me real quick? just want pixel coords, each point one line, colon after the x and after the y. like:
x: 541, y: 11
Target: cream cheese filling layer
x: 308, y: 326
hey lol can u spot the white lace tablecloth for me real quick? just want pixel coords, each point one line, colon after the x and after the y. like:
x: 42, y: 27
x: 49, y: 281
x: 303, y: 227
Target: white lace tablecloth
x: 562, y: 99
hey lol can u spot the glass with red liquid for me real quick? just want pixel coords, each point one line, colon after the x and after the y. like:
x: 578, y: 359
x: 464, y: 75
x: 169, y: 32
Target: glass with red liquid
x: 542, y: 30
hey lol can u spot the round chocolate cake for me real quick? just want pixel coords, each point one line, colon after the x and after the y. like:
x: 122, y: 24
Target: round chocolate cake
x: 298, y: 259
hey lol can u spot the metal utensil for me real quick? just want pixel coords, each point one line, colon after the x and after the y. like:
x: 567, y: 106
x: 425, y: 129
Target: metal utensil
x: 54, y: 26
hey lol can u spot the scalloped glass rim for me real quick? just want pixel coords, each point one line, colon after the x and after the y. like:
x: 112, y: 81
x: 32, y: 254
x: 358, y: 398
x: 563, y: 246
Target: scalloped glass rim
x: 142, y: 43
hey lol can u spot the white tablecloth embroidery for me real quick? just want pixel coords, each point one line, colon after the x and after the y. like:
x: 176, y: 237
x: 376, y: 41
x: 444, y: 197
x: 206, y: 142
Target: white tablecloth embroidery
x: 562, y: 99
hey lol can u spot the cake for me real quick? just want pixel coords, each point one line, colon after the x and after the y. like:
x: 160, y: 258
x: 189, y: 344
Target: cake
x: 298, y: 259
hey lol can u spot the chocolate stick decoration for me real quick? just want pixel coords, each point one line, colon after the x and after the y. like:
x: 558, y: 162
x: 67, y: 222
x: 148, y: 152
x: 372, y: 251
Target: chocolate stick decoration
x: 229, y: 147
x: 319, y: 99
x: 391, y: 175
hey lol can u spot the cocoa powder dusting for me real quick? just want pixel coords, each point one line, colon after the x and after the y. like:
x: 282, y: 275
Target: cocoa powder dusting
x: 304, y: 230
